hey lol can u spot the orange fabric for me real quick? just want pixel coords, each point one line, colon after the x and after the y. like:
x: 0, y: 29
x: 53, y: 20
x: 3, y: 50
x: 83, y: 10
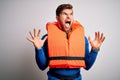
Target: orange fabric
x: 59, y: 45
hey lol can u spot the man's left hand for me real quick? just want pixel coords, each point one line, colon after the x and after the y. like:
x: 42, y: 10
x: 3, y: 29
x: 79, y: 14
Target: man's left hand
x: 98, y: 40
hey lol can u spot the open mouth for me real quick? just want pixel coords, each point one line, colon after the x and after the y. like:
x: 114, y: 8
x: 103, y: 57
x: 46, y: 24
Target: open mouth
x: 68, y: 22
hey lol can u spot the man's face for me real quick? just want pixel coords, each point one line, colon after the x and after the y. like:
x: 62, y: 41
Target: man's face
x: 66, y: 18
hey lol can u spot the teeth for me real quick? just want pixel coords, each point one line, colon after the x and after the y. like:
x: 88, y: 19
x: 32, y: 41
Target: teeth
x: 68, y: 22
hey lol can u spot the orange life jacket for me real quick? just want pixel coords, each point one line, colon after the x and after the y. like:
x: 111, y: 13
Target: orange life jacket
x: 63, y: 52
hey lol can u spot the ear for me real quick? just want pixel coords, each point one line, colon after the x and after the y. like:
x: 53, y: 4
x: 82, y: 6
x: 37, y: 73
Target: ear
x: 57, y: 18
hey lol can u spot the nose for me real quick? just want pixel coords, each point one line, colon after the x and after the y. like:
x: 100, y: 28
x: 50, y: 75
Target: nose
x: 68, y: 16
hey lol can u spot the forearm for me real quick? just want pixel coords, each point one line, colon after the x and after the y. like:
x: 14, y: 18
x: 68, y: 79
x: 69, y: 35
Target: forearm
x: 95, y: 44
x: 41, y: 59
x: 90, y: 59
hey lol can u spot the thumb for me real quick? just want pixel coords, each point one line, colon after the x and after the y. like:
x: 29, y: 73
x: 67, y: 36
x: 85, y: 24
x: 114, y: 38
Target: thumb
x: 45, y: 39
x: 90, y: 41
x: 89, y: 38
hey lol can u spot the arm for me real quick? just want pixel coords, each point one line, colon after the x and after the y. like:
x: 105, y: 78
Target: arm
x: 42, y: 56
x: 90, y: 57
x: 40, y: 48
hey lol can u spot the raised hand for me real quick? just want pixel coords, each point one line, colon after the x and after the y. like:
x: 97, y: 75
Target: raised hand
x: 97, y: 42
x: 35, y: 39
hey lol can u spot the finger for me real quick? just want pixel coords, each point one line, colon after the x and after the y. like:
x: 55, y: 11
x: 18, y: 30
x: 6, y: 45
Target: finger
x: 95, y: 35
x: 98, y: 35
x: 31, y: 35
x: 29, y: 39
x: 45, y: 39
x: 34, y: 32
x: 103, y: 38
x: 39, y: 33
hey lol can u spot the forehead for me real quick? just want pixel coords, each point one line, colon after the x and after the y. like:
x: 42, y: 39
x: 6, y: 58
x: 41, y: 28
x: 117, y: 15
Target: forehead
x: 67, y: 11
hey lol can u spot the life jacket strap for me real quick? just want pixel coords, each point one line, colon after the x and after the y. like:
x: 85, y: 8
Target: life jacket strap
x: 62, y: 77
x: 66, y: 58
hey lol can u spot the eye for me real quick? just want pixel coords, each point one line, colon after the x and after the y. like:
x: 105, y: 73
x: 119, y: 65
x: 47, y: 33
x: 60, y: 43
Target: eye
x: 64, y: 13
x: 71, y: 13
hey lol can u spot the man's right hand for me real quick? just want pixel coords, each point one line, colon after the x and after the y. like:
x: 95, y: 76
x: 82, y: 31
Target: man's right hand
x: 35, y: 39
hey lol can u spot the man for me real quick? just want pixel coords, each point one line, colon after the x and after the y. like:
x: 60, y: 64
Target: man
x: 64, y: 48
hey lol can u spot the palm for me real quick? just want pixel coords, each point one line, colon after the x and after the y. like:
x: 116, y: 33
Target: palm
x: 97, y: 42
x: 38, y: 43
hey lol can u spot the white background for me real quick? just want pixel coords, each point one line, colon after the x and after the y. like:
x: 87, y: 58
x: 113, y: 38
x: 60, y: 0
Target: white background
x: 18, y: 17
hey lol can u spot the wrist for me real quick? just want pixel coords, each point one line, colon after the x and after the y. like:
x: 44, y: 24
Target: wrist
x: 95, y: 49
x: 38, y: 48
